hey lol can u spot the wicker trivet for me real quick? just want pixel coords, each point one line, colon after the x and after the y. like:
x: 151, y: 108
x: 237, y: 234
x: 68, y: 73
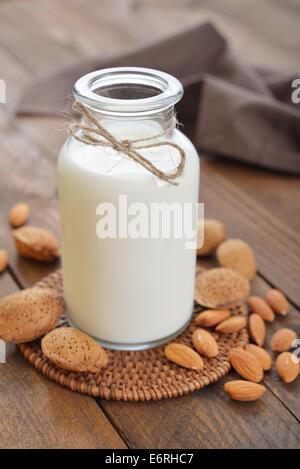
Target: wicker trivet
x: 141, y: 375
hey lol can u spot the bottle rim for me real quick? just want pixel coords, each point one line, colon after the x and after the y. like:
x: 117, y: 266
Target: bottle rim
x: 90, y: 90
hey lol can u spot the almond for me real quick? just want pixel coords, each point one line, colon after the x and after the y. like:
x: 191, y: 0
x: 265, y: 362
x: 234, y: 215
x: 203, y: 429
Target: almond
x: 73, y: 350
x: 184, y: 356
x: 261, y: 354
x: 287, y: 367
x: 29, y: 314
x: 220, y: 287
x: 244, y: 390
x: 212, y: 317
x: 246, y: 365
x: 214, y: 234
x: 257, y: 329
x: 19, y: 214
x: 205, y: 343
x: 260, y: 306
x: 283, y: 339
x: 36, y: 243
x: 277, y: 301
x: 3, y: 259
x: 234, y: 324
x: 237, y: 255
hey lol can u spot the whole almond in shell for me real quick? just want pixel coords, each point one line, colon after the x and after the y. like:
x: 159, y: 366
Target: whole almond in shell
x: 237, y: 255
x: 246, y: 365
x: 233, y: 324
x: 257, y: 329
x: 18, y: 214
x: 184, y: 356
x: 205, y: 343
x: 212, y: 317
x: 214, y: 234
x: 283, y: 340
x: 244, y: 390
x: 3, y: 259
x: 261, y: 354
x: 260, y: 306
x: 287, y: 367
x: 277, y: 301
x: 29, y: 314
x: 36, y: 243
x: 220, y: 287
x: 73, y: 350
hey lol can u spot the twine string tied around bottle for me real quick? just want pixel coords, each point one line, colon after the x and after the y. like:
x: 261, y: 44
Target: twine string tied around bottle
x: 90, y: 126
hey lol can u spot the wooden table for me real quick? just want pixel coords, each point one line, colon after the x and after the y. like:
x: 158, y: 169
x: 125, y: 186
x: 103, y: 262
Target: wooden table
x: 37, y: 37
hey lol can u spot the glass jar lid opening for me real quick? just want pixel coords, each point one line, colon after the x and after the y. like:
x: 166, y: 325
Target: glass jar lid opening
x: 128, y: 90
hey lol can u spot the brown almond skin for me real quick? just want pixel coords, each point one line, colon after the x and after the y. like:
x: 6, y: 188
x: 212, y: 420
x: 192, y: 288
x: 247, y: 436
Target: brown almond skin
x: 257, y: 329
x: 205, y: 343
x: 214, y: 234
x: 277, y: 301
x: 283, y: 340
x: 260, y: 306
x: 3, y: 259
x: 245, y: 391
x: 287, y: 368
x: 212, y: 317
x: 73, y: 350
x: 233, y: 324
x: 184, y: 356
x: 18, y: 214
x: 246, y: 365
x: 261, y: 354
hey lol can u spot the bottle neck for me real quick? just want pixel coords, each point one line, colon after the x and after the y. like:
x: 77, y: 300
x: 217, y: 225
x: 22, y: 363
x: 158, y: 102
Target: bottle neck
x: 136, y: 126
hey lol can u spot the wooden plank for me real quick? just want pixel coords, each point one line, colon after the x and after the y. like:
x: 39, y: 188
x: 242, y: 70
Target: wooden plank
x: 278, y: 193
x: 206, y: 419
x: 38, y: 413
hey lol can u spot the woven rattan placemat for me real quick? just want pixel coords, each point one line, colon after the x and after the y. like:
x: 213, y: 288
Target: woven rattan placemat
x: 141, y: 375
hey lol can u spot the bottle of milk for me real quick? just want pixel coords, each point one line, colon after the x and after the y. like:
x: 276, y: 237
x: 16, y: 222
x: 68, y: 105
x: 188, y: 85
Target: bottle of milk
x: 127, y: 232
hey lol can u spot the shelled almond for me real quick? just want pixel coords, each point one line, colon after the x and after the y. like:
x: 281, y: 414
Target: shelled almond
x: 287, y: 367
x: 277, y: 301
x: 184, y: 356
x: 3, y: 259
x: 18, y: 214
x: 261, y: 354
x: 257, y: 329
x: 205, y: 343
x: 260, y: 306
x: 283, y: 340
x: 233, y: 324
x: 240, y: 390
x: 212, y: 317
x: 246, y: 365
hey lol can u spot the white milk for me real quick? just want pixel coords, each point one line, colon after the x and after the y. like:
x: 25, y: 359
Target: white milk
x: 129, y: 292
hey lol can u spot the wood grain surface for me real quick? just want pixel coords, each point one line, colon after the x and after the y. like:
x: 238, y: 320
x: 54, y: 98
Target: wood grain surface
x: 262, y: 207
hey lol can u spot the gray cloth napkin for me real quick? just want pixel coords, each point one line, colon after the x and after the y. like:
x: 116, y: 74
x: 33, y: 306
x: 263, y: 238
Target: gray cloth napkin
x: 229, y: 108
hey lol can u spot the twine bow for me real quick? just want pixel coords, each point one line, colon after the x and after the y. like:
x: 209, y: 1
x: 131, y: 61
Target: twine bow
x: 129, y: 147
